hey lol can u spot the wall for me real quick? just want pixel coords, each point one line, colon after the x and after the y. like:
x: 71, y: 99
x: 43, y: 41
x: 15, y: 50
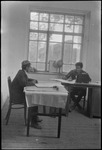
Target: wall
x: 14, y: 35
x: 94, y: 46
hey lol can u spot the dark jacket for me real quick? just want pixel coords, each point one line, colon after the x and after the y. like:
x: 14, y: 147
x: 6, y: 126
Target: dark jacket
x: 17, y: 86
x: 79, y: 77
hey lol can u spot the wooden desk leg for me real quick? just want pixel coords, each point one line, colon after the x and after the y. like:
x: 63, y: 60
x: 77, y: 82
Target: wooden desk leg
x: 44, y: 109
x: 59, y: 123
x: 90, y: 103
x: 28, y: 122
x: 67, y: 104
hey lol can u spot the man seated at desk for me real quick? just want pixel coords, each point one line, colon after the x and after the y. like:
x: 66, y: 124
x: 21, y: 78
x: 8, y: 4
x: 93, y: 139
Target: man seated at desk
x: 80, y: 76
x: 17, y: 86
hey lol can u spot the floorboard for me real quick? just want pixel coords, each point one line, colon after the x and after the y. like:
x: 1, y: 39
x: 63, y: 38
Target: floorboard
x: 78, y: 131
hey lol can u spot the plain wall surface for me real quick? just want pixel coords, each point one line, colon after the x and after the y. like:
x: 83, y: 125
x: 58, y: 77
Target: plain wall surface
x: 14, y: 35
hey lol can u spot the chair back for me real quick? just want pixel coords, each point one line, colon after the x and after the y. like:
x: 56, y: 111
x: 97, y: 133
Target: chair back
x: 11, y: 99
x: 9, y: 84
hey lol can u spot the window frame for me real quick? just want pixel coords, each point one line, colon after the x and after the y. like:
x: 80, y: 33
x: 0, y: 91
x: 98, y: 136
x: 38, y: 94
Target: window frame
x: 56, y: 32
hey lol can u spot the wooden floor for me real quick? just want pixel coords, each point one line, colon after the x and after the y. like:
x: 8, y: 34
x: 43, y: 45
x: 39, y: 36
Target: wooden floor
x: 78, y: 131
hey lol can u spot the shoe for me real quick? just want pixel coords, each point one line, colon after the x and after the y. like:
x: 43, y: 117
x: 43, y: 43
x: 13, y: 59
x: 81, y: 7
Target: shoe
x: 70, y: 110
x: 35, y: 125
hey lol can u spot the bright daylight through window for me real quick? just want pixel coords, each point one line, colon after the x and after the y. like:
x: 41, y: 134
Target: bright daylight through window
x: 54, y: 37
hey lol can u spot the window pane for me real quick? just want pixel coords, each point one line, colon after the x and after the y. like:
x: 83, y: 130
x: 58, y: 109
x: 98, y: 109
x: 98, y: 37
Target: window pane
x: 76, y: 52
x: 78, y: 29
x: 56, y: 18
x: 78, y: 20
x: 68, y: 28
x: 33, y: 36
x: 69, y: 19
x: 56, y: 27
x: 74, y: 55
x: 67, y: 68
x: 67, y: 57
x: 34, y: 25
x: 54, y: 51
x: 56, y: 37
x: 41, y: 52
x: 34, y: 16
x: 32, y: 51
x: 43, y: 17
x: 41, y: 66
x: 48, y: 66
x: 43, y: 26
x: 77, y: 39
x: 68, y: 39
x: 42, y: 36
x: 33, y: 64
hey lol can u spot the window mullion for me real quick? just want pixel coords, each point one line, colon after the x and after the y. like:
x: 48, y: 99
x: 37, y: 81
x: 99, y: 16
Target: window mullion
x: 63, y: 39
x: 47, y: 45
x: 37, y: 43
x: 72, y: 42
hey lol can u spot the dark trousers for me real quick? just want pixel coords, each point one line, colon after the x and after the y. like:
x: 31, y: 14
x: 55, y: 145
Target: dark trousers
x: 79, y: 92
x: 34, y: 111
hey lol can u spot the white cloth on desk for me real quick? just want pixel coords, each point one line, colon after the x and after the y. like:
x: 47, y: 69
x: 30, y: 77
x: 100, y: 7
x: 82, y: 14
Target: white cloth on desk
x: 46, y: 100
x: 46, y: 96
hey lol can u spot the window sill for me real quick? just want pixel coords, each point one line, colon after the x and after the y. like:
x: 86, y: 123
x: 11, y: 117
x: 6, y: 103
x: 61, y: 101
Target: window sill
x: 47, y: 73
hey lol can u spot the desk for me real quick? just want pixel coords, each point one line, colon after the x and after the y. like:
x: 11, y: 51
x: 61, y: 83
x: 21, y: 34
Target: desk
x: 46, y: 97
x: 94, y: 96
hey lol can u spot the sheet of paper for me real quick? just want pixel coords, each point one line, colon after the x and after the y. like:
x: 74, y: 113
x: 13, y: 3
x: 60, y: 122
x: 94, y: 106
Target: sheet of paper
x: 95, y: 83
x: 64, y: 81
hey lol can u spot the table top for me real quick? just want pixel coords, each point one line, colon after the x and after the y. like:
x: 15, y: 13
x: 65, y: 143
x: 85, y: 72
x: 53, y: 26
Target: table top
x: 46, y: 88
x: 66, y: 82
x: 47, y: 95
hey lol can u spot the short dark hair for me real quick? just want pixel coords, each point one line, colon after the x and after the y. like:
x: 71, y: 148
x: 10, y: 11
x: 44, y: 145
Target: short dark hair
x: 79, y: 64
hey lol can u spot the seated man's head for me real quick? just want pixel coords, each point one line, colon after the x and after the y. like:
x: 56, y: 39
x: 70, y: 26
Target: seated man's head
x: 26, y: 65
x: 79, y: 66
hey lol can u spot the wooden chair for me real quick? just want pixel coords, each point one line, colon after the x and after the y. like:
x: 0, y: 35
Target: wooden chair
x: 12, y: 103
x: 84, y: 101
x: 84, y: 98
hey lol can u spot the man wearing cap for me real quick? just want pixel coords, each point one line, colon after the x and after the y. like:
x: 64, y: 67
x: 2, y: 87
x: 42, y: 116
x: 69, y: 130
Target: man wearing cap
x: 17, y: 86
x: 80, y: 76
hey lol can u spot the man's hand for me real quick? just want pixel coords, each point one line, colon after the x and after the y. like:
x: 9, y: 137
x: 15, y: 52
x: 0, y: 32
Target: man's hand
x: 64, y: 77
x: 70, y: 79
x: 35, y: 81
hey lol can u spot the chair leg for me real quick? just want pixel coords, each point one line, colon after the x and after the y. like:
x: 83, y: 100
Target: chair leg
x: 8, y: 115
x: 25, y: 114
x: 84, y: 104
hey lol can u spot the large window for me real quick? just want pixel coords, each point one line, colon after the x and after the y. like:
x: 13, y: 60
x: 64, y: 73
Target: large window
x: 55, y: 37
